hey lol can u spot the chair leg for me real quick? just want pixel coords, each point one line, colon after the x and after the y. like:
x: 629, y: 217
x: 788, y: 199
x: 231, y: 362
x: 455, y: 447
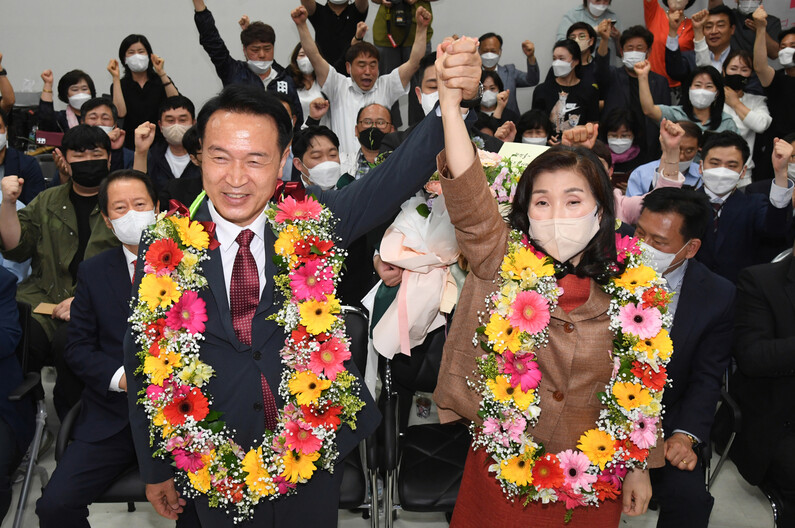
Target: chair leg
x: 373, y: 499
x: 389, y: 506
x: 130, y: 506
x: 41, y: 423
x: 721, y: 460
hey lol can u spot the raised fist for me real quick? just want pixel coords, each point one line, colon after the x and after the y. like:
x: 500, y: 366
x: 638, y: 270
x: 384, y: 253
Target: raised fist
x: 46, y: 76
x: 144, y: 136
x: 113, y: 68
x: 299, y: 15
x: 12, y: 188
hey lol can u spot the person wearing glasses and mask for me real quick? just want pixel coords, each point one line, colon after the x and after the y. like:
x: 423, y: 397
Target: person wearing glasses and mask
x: 373, y: 122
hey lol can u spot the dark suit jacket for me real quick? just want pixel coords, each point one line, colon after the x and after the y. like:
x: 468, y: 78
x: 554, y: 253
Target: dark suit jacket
x: 394, y: 139
x: 701, y: 333
x: 236, y: 387
x: 18, y: 164
x: 770, y: 247
x: 94, y: 342
x: 764, y: 347
x: 744, y: 220
x: 160, y: 171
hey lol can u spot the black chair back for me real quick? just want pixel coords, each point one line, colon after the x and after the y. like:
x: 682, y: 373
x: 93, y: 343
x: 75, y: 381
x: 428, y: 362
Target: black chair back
x: 23, y: 347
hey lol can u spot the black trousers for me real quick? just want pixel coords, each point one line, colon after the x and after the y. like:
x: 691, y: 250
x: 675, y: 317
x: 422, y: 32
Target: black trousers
x: 10, y: 457
x: 683, y: 497
x: 68, y: 386
x: 780, y: 475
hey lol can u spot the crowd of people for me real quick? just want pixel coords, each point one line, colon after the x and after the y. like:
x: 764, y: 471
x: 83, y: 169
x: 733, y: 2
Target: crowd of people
x: 681, y: 131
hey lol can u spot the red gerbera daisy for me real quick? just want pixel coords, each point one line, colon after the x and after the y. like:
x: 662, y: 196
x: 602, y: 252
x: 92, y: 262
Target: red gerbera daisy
x: 312, y: 247
x: 655, y: 297
x: 192, y: 404
x: 155, y: 330
x: 631, y: 451
x: 164, y: 254
x: 649, y: 378
x: 547, y: 472
x: 328, y: 418
x: 604, y: 490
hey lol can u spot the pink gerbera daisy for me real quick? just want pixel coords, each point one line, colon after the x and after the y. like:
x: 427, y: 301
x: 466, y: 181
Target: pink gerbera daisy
x: 571, y: 497
x: 329, y: 358
x: 187, y: 460
x: 614, y: 475
x: 523, y: 371
x: 644, y: 432
x: 300, y: 437
x: 306, y: 209
x: 574, y: 465
x: 154, y: 392
x: 515, y: 428
x: 312, y: 281
x: 529, y: 312
x: 283, y: 484
x: 189, y: 313
x: 642, y: 322
x: 625, y: 246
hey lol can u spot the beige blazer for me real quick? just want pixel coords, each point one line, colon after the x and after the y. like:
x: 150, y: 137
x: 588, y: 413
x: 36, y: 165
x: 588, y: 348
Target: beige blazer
x: 576, y: 364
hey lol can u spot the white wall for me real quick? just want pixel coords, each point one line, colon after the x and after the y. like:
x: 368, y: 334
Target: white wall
x: 63, y: 35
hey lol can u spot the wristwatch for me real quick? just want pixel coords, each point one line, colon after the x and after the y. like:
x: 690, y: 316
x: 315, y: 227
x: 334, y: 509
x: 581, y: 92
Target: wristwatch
x: 475, y: 102
x: 693, y: 440
x: 3, y: 72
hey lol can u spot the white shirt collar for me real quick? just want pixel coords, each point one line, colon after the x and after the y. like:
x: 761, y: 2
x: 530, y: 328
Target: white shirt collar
x: 129, y: 258
x: 226, y: 232
x: 714, y: 198
x: 676, y: 277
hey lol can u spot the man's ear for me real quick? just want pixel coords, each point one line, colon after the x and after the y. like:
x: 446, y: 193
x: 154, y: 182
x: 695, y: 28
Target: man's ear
x: 348, y: 68
x: 701, y: 167
x: 297, y: 164
x: 107, y: 221
x: 692, y: 248
x: 418, y: 92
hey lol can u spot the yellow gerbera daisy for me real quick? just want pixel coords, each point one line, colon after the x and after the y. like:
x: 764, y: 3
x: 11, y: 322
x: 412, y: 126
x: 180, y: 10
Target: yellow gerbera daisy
x: 258, y: 479
x: 159, y: 368
x: 285, y: 244
x: 158, y: 291
x: 523, y: 399
x: 201, y: 479
x: 307, y: 387
x: 598, y: 446
x: 500, y: 331
x: 166, y: 428
x: 191, y: 233
x: 318, y: 316
x: 518, y: 470
x: 633, y: 278
x: 631, y: 395
x: 299, y: 466
x: 661, y: 343
x: 525, y: 260
x: 503, y: 392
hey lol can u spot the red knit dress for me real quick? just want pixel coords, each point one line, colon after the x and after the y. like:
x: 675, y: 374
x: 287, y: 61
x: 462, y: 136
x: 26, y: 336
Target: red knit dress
x: 481, y: 502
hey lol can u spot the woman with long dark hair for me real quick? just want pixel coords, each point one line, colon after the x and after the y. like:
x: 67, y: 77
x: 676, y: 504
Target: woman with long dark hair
x: 303, y: 75
x: 143, y: 88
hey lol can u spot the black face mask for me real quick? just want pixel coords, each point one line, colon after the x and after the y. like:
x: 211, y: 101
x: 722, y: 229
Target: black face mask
x: 371, y: 138
x: 735, y: 82
x: 89, y: 173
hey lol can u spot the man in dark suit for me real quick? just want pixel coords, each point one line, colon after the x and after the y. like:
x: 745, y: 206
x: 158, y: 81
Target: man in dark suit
x: 713, y: 32
x: 673, y: 223
x: 103, y: 447
x: 741, y: 220
x: 245, y: 135
x: 764, y: 383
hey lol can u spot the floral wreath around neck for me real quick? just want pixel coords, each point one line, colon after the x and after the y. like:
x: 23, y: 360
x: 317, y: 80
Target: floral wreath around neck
x: 507, y: 378
x: 319, y: 394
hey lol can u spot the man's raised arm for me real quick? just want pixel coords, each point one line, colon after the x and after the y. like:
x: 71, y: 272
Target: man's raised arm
x: 320, y: 64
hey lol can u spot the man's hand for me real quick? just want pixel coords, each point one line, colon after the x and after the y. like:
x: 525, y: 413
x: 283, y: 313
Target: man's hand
x: 581, y: 136
x: 671, y: 136
x: 361, y: 30
x: 614, y: 33
x: 423, y: 17
x: 506, y: 132
x: 123, y: 382
x: 62, y: 310
x: 782, y: 151
x: 318, y: 108
x: 760, y: 17
x: 144, y: 136
x: 47, y: 77
x: 165, y: 499
x: 642, y: 68
x: 12, y: 188
x: 299, y: 15
x: 675, y: 19
x: 117, y: 136
x: 679, y: 452
x: 157, y: 64
x: 64, y: 170
x: 113, y: 68
x: 244, y: 22
x: 391, y: 275
x: 529, y: 49
x: 603, y: 29
x: 636, y: 492
x: 460, y: 66
x: 698, y: 23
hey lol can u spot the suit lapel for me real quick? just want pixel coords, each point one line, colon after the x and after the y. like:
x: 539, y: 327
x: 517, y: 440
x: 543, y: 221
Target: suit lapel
x: 790, y: 286
x: 118, y: 276
x: 727, y: 218
x: 686, y: 306
x: 262, y: 329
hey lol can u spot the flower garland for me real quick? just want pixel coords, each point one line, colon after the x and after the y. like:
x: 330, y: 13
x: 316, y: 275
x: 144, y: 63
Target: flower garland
x: 319, y: 393
x: 508, y: 377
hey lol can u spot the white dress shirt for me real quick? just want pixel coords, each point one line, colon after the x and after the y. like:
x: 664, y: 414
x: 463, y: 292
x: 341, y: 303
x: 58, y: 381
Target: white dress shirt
x: 779, y: 196
x: 129, y: 258
x: 704, y: 56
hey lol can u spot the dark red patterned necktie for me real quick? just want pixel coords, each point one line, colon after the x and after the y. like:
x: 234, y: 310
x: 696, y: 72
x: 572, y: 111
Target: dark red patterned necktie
x: 243, y: 302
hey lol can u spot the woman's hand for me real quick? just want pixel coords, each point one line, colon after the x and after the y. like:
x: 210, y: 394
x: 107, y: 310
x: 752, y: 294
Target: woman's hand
x: 636, y: 493
x: 113, y: 68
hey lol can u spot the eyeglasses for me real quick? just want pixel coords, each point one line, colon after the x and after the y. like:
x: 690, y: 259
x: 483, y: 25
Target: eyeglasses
x: 581, y: 36
x: 380, y: 123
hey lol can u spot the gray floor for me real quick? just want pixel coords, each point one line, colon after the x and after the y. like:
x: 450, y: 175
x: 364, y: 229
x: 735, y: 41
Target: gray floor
x: 736, y: 505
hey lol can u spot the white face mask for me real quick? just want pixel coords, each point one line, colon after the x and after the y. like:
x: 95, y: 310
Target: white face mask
x: 720, y: 180
x: 138, y: 62
x: 660, y: 261
x: 106, y: 129
x: 597, y: 10
x: 174, y: 133
x: 77, y: 100
x: 564, y: 238
x: 490, y: 59
x: 631, y: 58
x: 259, y: 67
x: 684, y: 166
x: 428, y: 101
x: 338, y: 2
x: 3, y: 140
x: 561, y: 68
x: 747, y: 7
x: 534, y: 140
x: 786, y: 56
x: 790, y: 166
x: 619, y: 145
x: 129, y: 227
x: 325, y: 175
x: 304, y: 65
x: 701, y: 98
x: 489, y: 99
